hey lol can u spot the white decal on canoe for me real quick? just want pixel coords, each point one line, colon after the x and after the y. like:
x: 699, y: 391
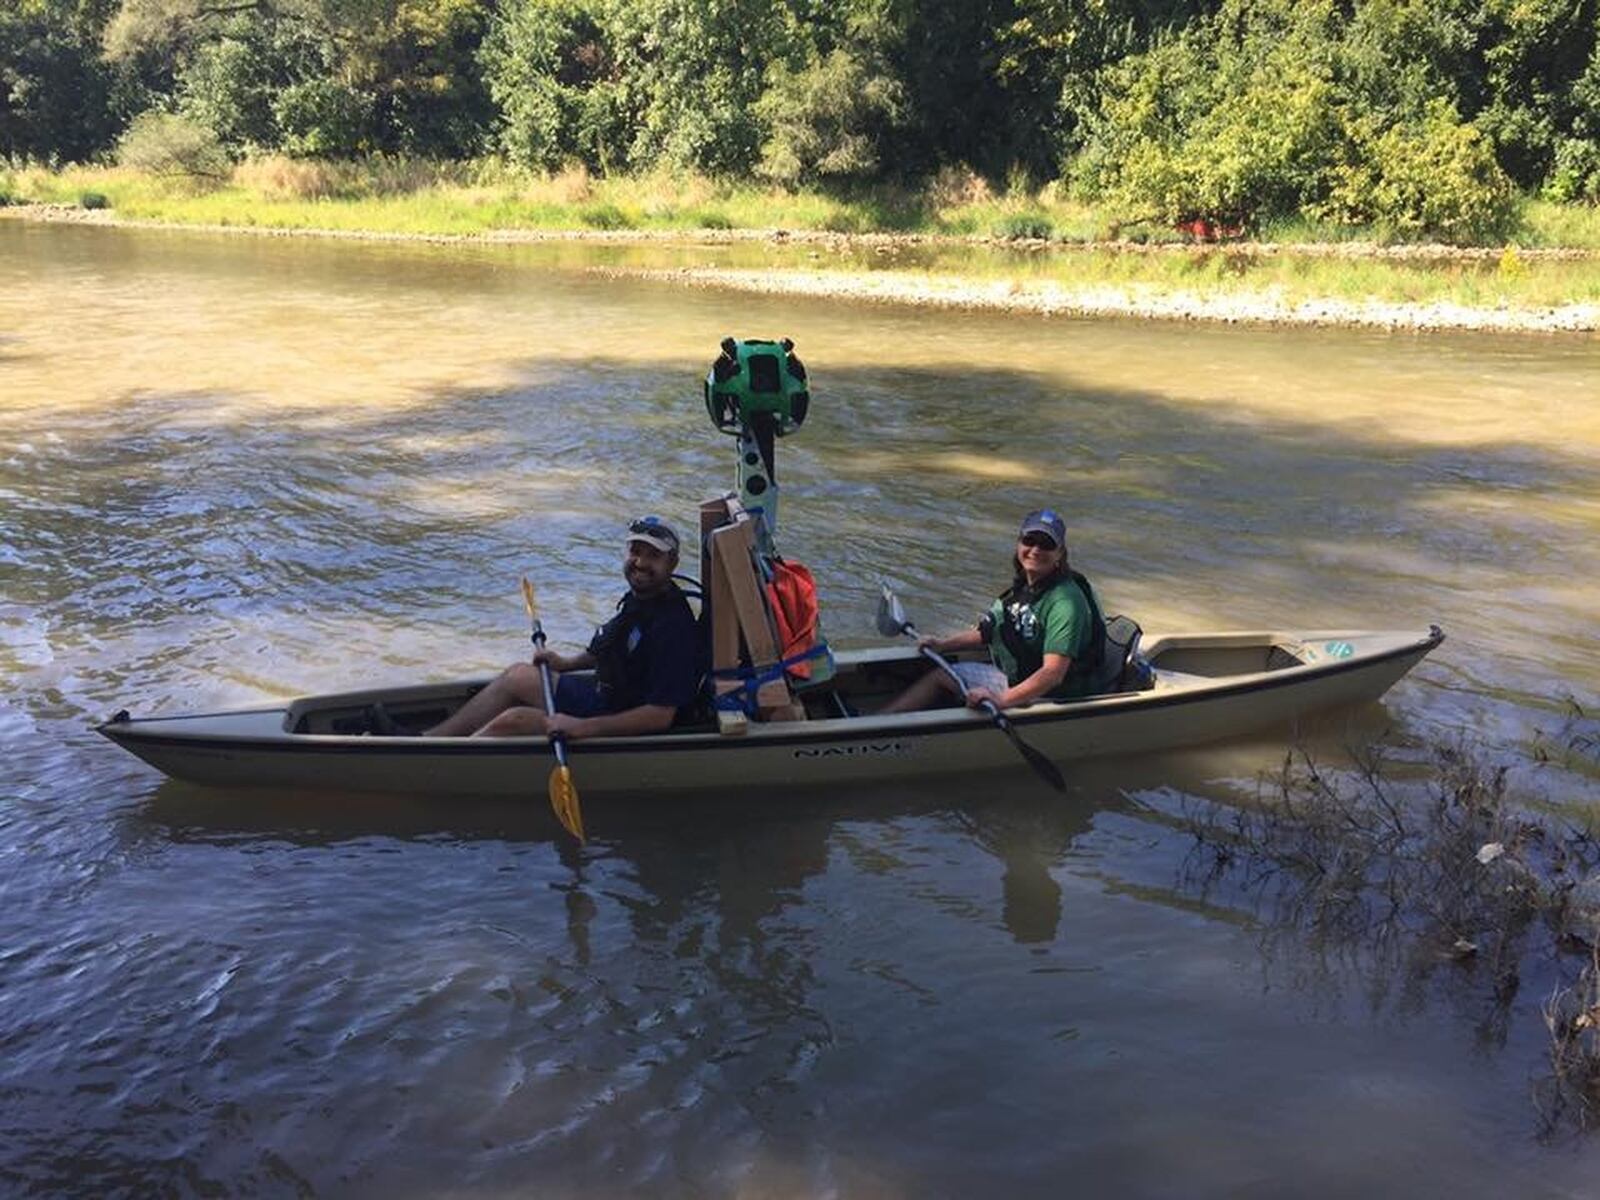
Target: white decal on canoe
x: 854, y: 750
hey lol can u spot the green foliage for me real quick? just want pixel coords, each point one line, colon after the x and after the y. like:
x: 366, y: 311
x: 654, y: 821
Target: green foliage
x: 830, y: 120
x: 57, y: 99
x: 604, y: 216
x: 1575, y: 174
x: 1021, y: 227
x: 695, y: 71
x: 1050, y: 55
x: 411, y: 65
x: 8, y: 189
x: 173, y: 147
x: 549, y: 70
x: 1229, y: 120
x: 322, y: 118
x: 1272, y: 109
x: 93, y: 200
x: 1366, y: 111
x: 1575, y: 160
x: 1433, y: 177
x: 233, y: 84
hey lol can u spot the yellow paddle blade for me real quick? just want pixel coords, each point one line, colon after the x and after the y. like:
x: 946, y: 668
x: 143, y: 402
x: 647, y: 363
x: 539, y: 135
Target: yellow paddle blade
x: 527, y: 595
x: 564, y: 800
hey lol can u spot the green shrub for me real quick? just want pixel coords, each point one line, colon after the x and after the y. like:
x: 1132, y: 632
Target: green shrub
x: 322, y: 118
x: 1022, y: 227
x: 1272, y: 109
x: 1231, y: 121
x: 228, y: 87
x: 94, y: 200
x: 1576, y: 174
x: 8, y: 189
x: 173, y: 147
x: 1435, y: 178
x: 604, y: 216
x: 710, y: 218
x: 829, y: 120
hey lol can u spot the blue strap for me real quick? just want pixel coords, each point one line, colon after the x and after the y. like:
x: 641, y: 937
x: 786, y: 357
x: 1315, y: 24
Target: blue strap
x: 743, y: 698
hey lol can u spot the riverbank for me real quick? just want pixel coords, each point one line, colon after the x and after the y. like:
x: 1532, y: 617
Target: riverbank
x: 1546, y: 290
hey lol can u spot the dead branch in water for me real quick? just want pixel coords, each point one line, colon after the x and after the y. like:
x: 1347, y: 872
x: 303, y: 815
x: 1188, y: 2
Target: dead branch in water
x: 1446, y: 879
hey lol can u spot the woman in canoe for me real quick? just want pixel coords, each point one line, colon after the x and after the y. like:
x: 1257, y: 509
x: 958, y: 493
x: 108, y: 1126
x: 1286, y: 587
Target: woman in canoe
x: 1045, y: 634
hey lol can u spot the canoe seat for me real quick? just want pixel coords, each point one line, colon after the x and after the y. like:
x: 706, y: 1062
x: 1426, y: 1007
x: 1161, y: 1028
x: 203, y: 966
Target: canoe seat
x: 1122, y: 670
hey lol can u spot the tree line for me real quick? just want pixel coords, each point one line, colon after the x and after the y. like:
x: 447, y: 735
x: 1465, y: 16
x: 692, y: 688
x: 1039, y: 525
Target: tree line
x: 1423, y: 115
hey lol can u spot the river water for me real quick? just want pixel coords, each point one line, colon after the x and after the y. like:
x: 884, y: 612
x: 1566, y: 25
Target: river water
x: 235, y: 469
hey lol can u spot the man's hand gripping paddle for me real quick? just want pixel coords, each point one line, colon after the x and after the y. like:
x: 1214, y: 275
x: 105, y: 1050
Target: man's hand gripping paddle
x: 563, y: 792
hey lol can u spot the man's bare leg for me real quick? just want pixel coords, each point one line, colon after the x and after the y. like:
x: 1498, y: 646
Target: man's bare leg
x: 521, y: 721
x: 517, y: 686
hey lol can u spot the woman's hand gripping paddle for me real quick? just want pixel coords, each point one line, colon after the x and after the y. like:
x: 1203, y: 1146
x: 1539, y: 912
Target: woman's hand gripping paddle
x: 563, y: 792
x: 892, y: 623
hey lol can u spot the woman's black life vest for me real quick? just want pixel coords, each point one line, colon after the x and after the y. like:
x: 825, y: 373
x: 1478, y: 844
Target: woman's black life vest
x: 1086, y: 665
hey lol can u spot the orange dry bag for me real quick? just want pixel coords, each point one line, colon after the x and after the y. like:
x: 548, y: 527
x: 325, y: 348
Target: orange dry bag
x: 792, y: 593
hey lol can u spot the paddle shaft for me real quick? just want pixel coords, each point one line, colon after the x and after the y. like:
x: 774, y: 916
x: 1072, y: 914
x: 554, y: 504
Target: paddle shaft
x: 1045, y: 769
x: 944, y: 664
x: 558, y: 742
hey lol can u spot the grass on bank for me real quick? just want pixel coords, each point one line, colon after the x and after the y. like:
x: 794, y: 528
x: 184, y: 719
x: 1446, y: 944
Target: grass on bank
x: 422, y: 198
x: 400, y: 196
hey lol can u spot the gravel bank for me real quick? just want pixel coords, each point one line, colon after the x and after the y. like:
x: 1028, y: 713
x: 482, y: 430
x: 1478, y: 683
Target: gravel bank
x: 1142, y: 302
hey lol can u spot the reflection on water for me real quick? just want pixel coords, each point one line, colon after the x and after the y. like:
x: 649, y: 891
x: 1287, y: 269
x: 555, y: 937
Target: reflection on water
x: 240, y: 469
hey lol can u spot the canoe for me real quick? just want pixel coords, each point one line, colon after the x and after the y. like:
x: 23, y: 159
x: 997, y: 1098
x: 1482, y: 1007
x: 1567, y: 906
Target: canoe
x: 1207, y: 687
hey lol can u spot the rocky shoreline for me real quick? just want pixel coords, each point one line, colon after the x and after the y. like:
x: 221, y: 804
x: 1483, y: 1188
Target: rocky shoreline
x: 1143, y: 302
x: 1267, y: 306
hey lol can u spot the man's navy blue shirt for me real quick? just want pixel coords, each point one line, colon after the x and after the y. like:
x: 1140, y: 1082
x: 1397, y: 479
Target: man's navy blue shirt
x: 648, y: 653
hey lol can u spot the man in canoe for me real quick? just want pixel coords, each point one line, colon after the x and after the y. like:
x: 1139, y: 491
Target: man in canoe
x: 645, y: 659
x: 1045, y: 634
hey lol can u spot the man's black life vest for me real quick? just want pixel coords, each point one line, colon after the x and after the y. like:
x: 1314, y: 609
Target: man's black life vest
x: 622, y: 677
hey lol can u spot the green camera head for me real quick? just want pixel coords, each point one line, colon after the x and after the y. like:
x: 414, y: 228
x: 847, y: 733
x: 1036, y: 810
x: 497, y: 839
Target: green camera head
x: 753, y: 379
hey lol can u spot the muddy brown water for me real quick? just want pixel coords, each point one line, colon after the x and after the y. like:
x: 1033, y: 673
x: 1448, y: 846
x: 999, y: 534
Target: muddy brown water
x: 234, y: 469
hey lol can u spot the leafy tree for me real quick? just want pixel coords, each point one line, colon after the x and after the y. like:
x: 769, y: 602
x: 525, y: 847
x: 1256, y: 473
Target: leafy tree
x: 636, y: 83
x: 355, y: 74
x: 230, y: 84
x: 1270, y: 108
x: 57, y: 99
x: 1531, y: 56
x: 1051, y: 53
x: 552, y: 73
x: 1434, y: 176
x: 323, y: 118
x: 1575, y: 170
x: 830, y: 121
x: 693, y: 71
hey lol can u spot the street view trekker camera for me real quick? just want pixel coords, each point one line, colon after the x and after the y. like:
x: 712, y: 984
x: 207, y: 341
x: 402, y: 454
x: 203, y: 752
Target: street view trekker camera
x: 757, y: 391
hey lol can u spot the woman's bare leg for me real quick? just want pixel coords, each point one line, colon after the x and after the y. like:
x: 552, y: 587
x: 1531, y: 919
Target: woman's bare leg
x: 922, y: 693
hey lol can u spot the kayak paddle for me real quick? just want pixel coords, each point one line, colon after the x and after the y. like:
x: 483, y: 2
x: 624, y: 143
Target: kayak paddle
x: 563, y: 792
x: 892, y: 622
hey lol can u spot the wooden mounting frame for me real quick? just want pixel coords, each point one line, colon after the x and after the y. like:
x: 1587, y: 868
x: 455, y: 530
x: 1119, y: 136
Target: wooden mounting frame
x: 739, y: 614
